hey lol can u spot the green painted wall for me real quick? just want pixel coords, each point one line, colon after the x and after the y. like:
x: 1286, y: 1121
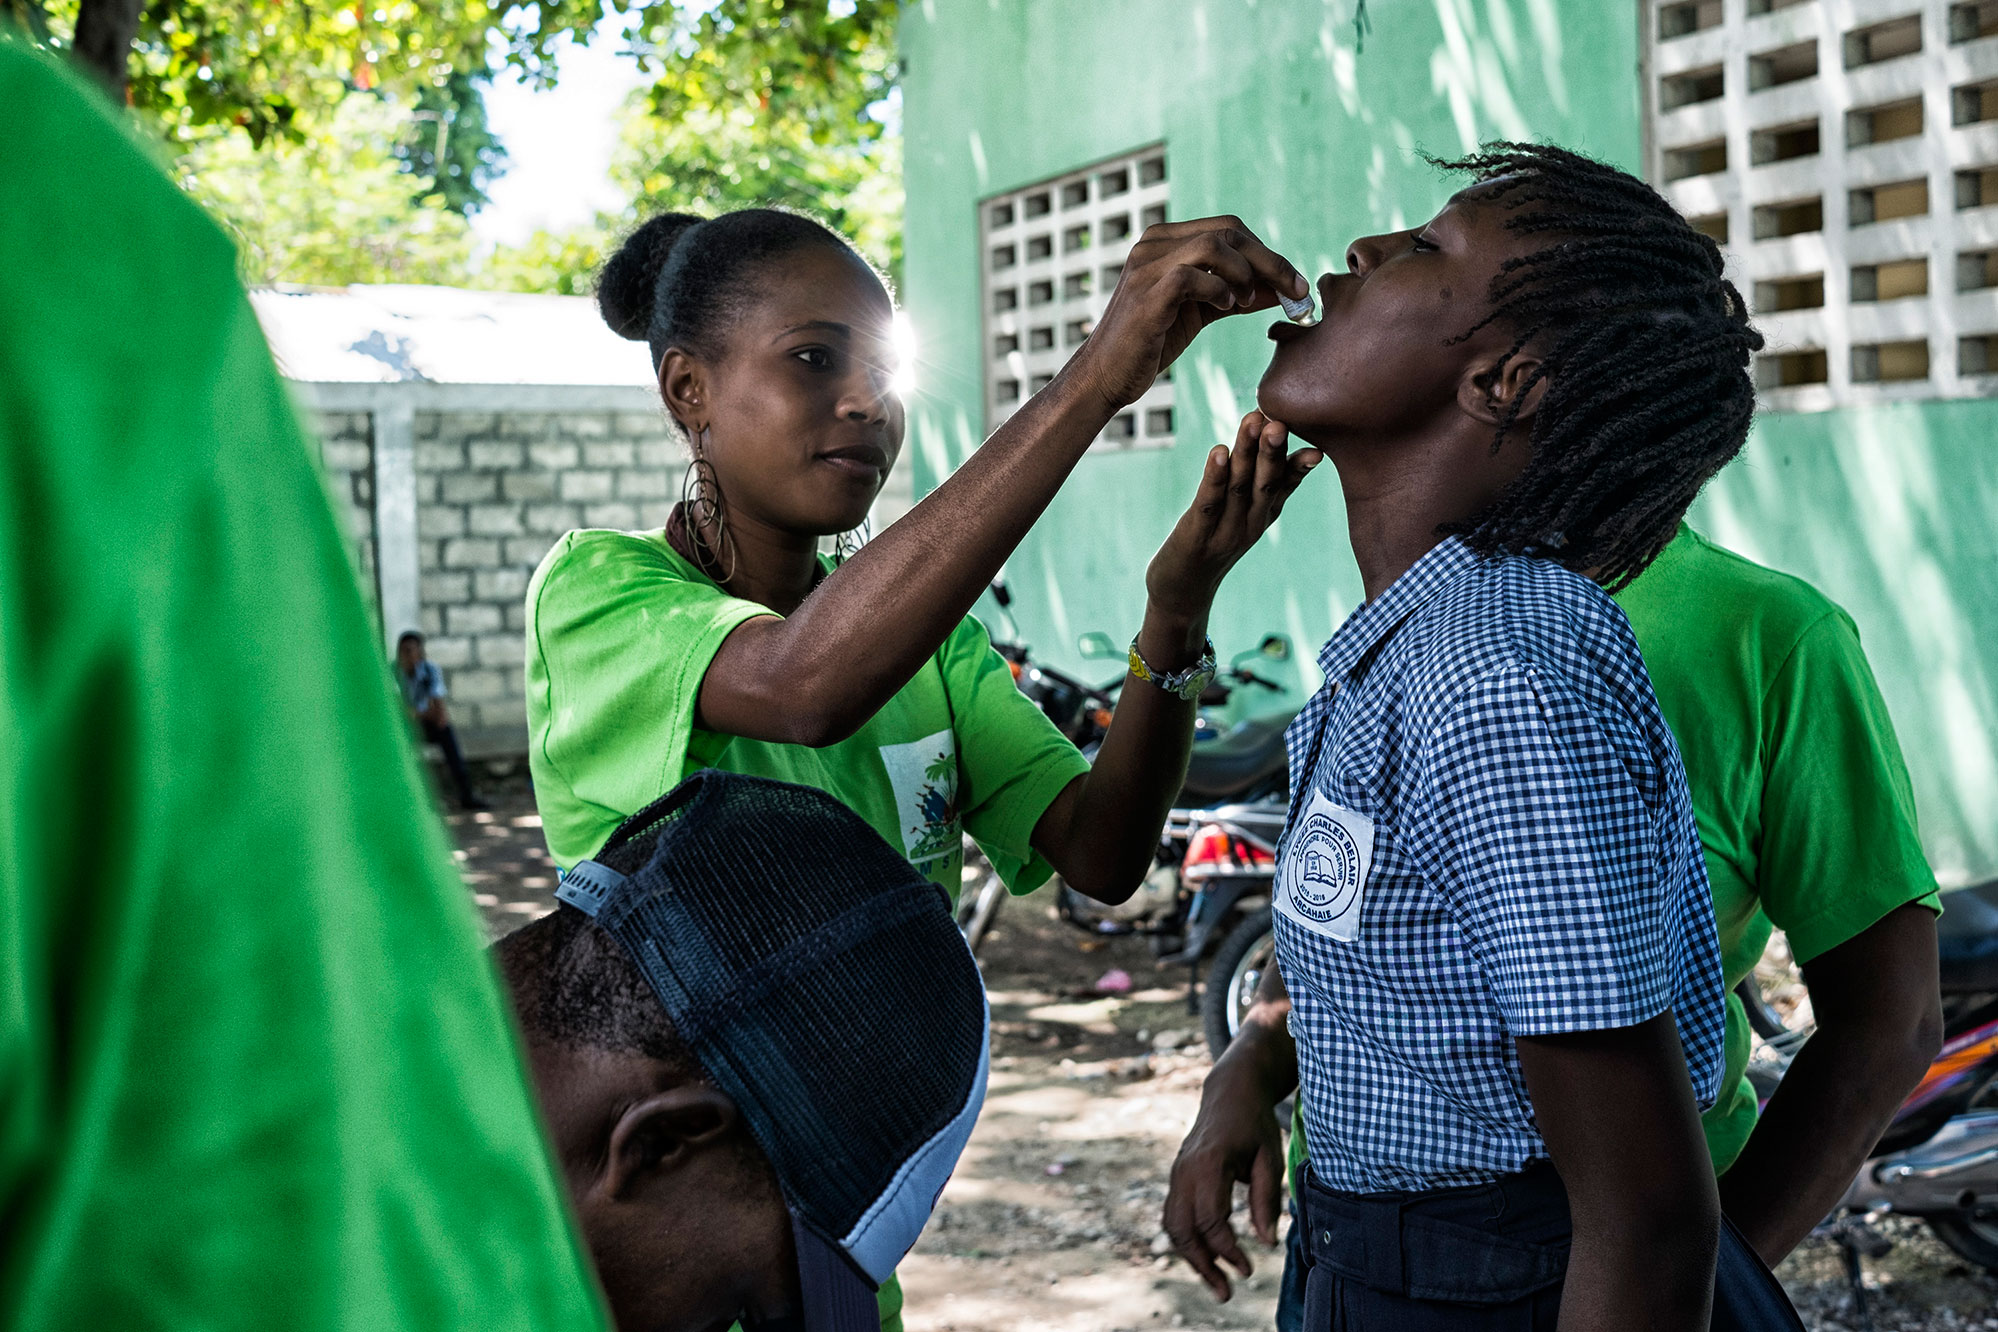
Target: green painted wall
x: 1268, y: 110
x: 1893, y: 512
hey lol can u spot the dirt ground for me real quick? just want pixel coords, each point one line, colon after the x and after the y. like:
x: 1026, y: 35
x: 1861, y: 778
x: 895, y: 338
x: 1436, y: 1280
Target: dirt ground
x: 1052, y: 1220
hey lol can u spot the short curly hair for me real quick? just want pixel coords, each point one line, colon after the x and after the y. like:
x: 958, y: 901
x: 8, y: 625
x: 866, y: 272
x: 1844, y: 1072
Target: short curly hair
x: 573, y: 986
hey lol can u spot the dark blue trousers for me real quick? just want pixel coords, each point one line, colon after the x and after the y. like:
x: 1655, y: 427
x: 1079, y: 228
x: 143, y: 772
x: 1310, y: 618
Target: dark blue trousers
x: 1490, y: 1256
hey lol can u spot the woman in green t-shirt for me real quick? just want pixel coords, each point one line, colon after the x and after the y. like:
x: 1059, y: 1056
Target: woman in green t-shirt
x: 727, y: 640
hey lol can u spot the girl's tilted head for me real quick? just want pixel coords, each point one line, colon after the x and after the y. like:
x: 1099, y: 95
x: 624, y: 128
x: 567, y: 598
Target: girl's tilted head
x: 1557, y: 298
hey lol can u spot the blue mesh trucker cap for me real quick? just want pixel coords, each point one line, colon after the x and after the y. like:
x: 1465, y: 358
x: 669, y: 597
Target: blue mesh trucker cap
x: 821, y: 981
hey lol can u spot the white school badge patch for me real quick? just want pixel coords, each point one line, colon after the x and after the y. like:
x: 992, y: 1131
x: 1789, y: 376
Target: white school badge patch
x: 924, y: 776
x: 1322, y: 874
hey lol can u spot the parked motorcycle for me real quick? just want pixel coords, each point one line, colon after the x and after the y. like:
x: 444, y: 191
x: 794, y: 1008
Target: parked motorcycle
x: 1237, y: 762
x: 1938, y: 1159
x: 1079, y: 711
x: 1207, y: 897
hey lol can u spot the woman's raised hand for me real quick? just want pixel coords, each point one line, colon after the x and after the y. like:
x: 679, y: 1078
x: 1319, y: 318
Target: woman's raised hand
x: 1179, y: 278
x: 1241, y: 493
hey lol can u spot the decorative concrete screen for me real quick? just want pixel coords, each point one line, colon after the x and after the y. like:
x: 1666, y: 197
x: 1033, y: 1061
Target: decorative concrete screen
x: 1846, y: 154
x: 1052, y: 254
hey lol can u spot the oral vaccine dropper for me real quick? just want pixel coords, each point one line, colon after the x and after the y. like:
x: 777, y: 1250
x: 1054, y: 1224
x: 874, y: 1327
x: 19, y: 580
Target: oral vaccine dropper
x: 1298, y: 311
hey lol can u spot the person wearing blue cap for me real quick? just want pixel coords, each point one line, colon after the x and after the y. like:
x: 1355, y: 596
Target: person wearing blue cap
x: 728, y: 1155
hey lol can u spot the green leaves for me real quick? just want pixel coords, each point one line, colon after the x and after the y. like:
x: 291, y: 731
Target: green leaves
x: 331, y: 207
x: 448, y: 144
x: 785, y: 102
x: 299, y: 119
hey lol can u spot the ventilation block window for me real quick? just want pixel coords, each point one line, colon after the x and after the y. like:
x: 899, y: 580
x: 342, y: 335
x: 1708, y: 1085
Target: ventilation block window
x: 1695, y: 85
x: 1977, y: 355
x: 1786, y: 64
x: 1693, y: 16
x: 1774, y: 370
x: 1783, y: 143
x: 1856, y: 189
x: 1789, y: 219
x: 1884, y: 41
x: 1890, y: 362
x: 1884, y: 124
x: 1804, y: 292
x: 1884, y: 203
x: 1054, y: 251
x: 1969, y: 22
x: 1699, y: 159
x: 1890, y: 281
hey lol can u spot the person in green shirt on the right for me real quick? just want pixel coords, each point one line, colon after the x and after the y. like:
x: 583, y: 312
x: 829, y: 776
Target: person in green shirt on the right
x: 1807, y: 818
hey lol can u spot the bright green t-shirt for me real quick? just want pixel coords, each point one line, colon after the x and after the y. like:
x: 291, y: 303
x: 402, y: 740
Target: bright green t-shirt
x: 255, y: 1071
x: 1801, y: 797
x: 620, y: 631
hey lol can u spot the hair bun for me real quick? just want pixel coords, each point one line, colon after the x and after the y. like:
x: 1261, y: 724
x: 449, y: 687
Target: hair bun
x: 628, y: 285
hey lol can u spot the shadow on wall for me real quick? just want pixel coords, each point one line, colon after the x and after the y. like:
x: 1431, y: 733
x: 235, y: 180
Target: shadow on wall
x: 1889, y: 510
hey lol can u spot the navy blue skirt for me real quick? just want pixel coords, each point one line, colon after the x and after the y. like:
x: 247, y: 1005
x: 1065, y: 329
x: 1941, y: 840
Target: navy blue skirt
x: 1488, y: 1256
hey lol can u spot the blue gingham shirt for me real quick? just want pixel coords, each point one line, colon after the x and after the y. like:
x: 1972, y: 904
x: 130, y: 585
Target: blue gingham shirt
x: 1534, y: 868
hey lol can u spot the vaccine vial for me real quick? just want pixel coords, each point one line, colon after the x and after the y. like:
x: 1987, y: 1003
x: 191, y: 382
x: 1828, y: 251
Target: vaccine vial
x: 1298, y: 312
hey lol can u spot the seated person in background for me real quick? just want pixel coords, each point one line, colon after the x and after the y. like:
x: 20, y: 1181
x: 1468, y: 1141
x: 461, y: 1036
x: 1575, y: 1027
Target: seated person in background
x: 728, y: 1153
x: 423, y: 694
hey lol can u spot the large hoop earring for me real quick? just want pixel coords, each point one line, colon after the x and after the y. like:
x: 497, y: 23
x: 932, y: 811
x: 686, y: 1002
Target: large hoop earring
x: 847, y: 544
x: 703, y: 507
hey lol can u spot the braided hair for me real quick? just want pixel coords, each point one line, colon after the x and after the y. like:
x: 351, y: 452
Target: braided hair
x: 1645, y: 351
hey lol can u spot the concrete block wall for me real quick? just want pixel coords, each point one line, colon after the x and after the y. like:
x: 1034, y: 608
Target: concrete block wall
x: 346, y: 450
x: 493, y: 492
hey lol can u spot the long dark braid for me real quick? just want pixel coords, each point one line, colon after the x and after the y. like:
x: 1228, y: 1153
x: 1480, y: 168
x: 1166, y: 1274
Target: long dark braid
x: 1645, y: 350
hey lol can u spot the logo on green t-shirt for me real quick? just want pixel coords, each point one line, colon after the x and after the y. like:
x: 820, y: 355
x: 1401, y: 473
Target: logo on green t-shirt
x: 924, y: 776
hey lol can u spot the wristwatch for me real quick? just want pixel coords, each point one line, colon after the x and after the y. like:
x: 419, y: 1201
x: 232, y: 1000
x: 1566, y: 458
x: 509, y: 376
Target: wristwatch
x: 1188, y: 683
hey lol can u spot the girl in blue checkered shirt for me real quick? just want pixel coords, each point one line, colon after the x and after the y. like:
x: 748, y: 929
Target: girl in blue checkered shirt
x: 1491, y: 907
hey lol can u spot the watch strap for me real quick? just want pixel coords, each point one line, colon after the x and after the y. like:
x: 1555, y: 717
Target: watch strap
x: 1186, y: 684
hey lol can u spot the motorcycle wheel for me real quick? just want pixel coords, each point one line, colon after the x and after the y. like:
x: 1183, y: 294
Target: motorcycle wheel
x: 1973, y: 1238
x: 1232, y: 978
x: 978, y: 908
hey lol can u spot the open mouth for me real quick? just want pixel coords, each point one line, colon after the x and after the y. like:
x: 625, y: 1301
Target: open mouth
x: 1284, y: 331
